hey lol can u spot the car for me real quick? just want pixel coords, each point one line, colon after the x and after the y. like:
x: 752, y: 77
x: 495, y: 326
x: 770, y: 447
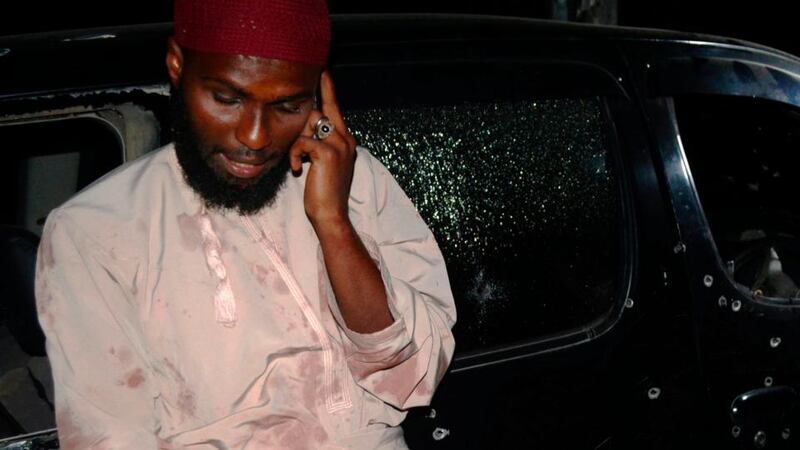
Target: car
x: 615, y: 207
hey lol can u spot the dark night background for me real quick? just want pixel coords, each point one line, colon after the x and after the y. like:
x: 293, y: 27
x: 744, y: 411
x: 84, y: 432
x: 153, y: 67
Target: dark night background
x: 768, y: 22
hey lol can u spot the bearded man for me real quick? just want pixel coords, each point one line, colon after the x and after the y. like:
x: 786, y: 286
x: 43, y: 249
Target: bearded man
x: 262, y: 282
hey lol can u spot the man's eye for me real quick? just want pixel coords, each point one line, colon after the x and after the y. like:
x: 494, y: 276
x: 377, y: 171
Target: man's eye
x: 291, y: 108
x: 225, y: 100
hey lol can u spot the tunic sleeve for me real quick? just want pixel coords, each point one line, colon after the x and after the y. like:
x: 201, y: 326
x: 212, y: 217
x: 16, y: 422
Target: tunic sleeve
x: 86, y: 304
x: 403, y: 363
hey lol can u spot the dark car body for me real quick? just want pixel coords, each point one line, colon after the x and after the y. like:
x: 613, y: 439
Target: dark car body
x: 616, y: 207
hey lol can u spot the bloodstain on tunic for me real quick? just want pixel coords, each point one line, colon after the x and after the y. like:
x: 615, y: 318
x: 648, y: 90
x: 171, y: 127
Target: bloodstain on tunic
x: 135, y: 378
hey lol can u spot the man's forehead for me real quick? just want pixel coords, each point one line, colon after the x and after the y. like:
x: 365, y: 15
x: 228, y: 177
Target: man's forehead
x: 265, y: 78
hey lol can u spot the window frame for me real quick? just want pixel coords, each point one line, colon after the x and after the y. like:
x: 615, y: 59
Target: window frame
x: 605, y: 86
x: 732, y: 72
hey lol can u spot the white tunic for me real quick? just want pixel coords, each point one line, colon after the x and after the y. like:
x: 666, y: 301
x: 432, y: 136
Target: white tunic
x: 172, y: 326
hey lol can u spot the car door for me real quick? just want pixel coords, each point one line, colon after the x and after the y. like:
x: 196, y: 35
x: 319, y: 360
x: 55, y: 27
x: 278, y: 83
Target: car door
x: 528, y: 160
x: 726, y: 120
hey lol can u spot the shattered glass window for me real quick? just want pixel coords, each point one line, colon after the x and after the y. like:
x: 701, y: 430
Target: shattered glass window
x: 523, y: 199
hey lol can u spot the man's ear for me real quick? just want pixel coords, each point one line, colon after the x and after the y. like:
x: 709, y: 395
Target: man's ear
x: 174, y: 62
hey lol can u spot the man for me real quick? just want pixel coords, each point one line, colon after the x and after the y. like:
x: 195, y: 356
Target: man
x: 205, y: 297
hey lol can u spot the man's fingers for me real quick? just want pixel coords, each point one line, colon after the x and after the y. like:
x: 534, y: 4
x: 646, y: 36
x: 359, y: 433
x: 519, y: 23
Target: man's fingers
x: 315, y: 149
x: 311, y: 124
x: 311, y: 127
x: 330, y: 107
x: 296, y: 153
x: 339, y: 134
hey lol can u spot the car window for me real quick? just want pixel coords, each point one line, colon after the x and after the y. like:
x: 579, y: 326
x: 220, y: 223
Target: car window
x: 49, y: 162
x: 743, y: 155
x: 523, y: 198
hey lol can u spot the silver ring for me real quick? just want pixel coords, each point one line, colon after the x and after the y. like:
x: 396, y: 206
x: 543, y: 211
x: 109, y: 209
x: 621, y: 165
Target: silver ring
x: 323, y: 128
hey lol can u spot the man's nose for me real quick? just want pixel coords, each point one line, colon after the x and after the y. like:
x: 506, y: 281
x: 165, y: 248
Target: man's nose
x: 252, y: 130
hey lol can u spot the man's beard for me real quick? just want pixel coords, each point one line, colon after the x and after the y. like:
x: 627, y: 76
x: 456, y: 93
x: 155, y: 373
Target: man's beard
x: 247, y: 197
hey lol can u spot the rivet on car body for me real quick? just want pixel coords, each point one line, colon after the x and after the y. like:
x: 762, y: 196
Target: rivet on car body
x: 736, y: 305
x: 768, y: 381
x: 723, y: 302
x: 708, y: 280
x: 735, y: 431
x: 679, y: 248
x: 786, y: 433
x: 653, y: 393
x: 760, y: 439
x: 775, y: 342
x: 629, y: 303
x: 440, y: 433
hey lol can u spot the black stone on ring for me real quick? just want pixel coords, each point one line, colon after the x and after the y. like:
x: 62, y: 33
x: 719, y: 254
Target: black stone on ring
x: 323, y: 128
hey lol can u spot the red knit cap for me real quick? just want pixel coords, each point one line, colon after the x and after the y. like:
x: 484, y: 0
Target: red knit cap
x: 292, y: 30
